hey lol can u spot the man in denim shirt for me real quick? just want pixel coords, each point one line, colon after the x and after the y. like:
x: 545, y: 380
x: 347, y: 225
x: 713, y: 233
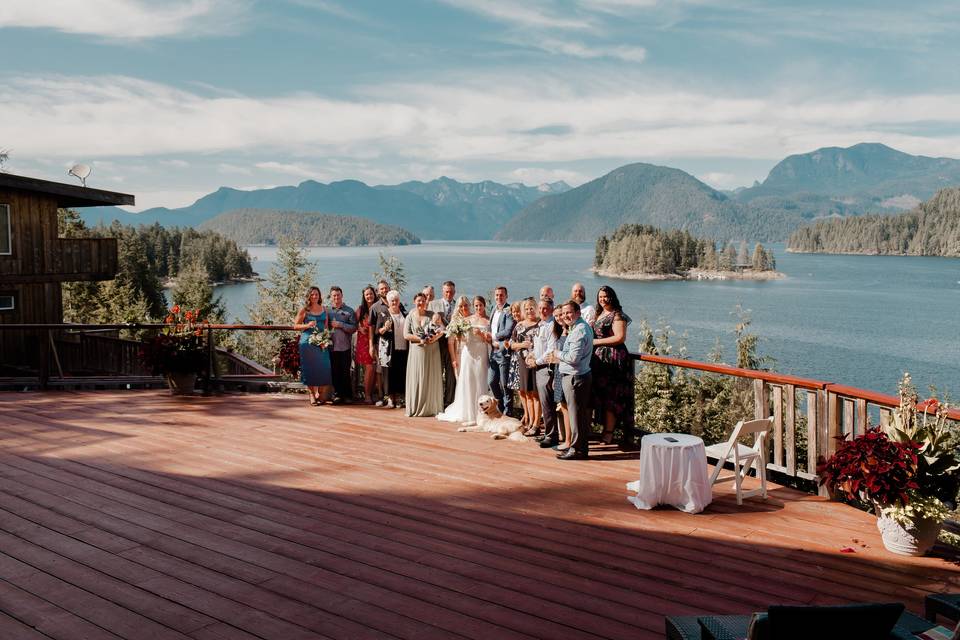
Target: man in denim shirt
x: 343, y: 321
x: 574, y: 371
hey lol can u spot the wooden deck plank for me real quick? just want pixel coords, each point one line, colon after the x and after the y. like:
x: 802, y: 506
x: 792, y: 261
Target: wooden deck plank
x: 269, y: 518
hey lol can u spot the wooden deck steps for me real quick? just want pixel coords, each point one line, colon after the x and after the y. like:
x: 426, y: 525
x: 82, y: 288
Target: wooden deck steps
x: 135, y: 514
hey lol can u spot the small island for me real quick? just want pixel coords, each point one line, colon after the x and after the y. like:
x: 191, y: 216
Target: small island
x: 643, y: 252
x: 931, y: 229
x: 249, y: 227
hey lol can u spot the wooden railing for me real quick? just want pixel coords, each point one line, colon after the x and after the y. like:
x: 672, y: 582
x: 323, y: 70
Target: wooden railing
x: 827, y: 409
x: 808, y: 414
x: 75, y: 352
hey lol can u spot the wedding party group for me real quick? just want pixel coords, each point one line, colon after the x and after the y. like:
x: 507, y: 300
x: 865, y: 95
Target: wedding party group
x: 565, y: 364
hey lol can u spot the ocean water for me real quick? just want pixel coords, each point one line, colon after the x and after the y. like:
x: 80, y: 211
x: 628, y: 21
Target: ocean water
x: 856, y: 320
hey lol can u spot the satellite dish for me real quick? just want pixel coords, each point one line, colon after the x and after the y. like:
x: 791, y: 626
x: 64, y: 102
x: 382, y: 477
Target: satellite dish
x: 80, y: 171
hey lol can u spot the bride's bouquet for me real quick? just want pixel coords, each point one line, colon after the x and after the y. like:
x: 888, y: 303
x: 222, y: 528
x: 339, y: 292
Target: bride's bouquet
x: 322, y: 339
x: 458, y: 328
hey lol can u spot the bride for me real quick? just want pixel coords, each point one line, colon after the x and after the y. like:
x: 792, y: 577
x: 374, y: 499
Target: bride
x: 472, y: 368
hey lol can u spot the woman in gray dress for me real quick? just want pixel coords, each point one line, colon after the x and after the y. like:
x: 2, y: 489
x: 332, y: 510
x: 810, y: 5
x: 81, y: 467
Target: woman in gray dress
x: 424, y: 368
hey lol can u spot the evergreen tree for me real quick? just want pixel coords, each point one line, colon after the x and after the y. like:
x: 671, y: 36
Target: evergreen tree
x: 279, y: 299
x: 194, y: 291
x: 743, y: 256
x: 392, y: 270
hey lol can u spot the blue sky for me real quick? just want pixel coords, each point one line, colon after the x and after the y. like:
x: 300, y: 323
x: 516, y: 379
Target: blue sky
x: 171, y: 100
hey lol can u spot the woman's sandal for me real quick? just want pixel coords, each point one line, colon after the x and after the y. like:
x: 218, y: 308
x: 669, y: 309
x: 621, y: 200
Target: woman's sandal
x: 607, y: 437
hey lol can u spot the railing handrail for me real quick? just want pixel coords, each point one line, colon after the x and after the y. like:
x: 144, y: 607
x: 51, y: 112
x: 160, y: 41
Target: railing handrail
x: 847, y: 391
x: 811, y: 384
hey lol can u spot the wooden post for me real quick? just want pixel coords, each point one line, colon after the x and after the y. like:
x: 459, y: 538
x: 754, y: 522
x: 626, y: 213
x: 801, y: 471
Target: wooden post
x: 834, y: 419
x: 211, y: 365
x: 861, y: 423
x: 761, y: 402
x: 886, y: 417
x: 44, y: 373
x: 847, y: 425
x: 778, y: 425
x: 790, y: 421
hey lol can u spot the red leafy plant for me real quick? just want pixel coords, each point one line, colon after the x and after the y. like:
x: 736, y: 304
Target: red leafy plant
x: 178, y: 347
x: 871, y: 468
x: 288, y: 357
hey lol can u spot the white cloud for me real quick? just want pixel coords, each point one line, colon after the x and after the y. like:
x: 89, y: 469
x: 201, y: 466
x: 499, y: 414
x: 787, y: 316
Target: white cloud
x: 394, y: 128
x: 720, y: 180
x: 538, y: 175
x: 580, y: 50
x: 289, y: 169
x: 525, y: 14
x: 123, y: 19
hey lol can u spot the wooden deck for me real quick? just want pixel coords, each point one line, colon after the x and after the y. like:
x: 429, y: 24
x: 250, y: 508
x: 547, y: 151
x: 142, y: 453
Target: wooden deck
x: 138, y: 515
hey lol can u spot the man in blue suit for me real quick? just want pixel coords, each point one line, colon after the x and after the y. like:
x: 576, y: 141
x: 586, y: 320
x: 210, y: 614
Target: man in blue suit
x: 501, y: 328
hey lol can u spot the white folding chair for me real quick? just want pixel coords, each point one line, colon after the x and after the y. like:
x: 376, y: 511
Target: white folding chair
x: 743, y: 457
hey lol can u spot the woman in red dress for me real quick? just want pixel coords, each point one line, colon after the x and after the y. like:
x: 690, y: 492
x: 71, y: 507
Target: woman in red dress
x: 363, y: 354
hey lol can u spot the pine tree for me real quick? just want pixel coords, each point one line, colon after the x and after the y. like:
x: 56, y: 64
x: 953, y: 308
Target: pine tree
x: 279, y: 299
x: 392, y: 270
x: 194, y: 291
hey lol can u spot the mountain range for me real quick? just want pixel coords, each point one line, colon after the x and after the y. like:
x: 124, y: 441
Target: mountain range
x: 442, y: 209
x: 802, y: 188
x: 828, y: 182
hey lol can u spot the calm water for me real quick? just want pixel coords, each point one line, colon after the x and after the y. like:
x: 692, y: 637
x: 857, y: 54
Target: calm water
x: 858, y: 320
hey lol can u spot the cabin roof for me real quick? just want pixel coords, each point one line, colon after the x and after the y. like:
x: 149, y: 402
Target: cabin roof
x: 67, y: 195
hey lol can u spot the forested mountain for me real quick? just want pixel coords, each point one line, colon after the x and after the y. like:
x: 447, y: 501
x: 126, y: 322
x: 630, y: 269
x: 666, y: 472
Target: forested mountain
x: 489, y: 204
x: 645, y: 194
x: 866, y: 176
x: 641, y: 249
x: 828, y: 182
x: 267, y: 226
x: 441, y: 209
x: 931, y: 229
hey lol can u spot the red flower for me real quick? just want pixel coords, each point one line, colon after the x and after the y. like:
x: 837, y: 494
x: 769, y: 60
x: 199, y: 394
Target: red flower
x: 168, y: 320
x: 176, y: 308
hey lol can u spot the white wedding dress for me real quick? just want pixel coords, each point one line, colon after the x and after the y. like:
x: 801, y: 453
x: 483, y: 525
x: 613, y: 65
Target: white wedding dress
x: 472, y: 381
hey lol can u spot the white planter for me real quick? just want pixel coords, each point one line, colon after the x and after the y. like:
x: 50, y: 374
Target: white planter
x: 914, y: 540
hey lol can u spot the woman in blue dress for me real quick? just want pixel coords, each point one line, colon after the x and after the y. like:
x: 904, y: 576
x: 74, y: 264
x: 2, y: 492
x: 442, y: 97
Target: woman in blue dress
x: 314, y: 361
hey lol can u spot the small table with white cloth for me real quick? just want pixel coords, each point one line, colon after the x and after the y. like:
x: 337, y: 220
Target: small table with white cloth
x: 673, y: 471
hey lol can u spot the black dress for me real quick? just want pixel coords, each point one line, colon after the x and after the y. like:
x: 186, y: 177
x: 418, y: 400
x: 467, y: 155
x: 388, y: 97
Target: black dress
x: 613, y: 375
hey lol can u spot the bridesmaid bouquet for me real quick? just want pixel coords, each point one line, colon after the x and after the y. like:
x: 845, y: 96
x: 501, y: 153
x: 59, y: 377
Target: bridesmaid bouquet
x: 428, y: 331
x: 322, y: 339
x: 458, y: 328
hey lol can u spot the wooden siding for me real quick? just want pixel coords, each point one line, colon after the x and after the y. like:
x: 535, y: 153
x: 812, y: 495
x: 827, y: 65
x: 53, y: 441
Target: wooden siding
x: 39, y: 255
x: 137, y: 514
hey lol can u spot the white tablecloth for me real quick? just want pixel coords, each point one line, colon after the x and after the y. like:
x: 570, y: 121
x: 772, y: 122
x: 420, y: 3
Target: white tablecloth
x: 673, y: 473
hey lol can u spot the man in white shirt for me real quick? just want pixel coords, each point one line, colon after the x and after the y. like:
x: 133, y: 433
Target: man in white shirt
x: 587, y: 311
x: 544, y: 343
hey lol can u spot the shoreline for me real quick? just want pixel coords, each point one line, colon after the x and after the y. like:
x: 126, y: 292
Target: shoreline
x: 692, y: 274
x: 170, y: 283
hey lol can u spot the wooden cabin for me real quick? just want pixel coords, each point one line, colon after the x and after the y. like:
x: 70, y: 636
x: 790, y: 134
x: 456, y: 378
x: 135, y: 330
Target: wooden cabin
x: 34, y: 260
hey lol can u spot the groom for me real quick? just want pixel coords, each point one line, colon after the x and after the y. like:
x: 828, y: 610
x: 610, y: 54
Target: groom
x: 445, y: 306
x: 501, y: 328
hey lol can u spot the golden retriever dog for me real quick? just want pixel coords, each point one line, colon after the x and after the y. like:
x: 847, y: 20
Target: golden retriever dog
x: 490, y: 420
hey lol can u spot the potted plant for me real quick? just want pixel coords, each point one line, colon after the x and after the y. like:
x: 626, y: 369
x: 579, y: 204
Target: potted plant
x: 288, y: 356
x: 907, y: 472
x: 926, y: 426
x: 177, y: 350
